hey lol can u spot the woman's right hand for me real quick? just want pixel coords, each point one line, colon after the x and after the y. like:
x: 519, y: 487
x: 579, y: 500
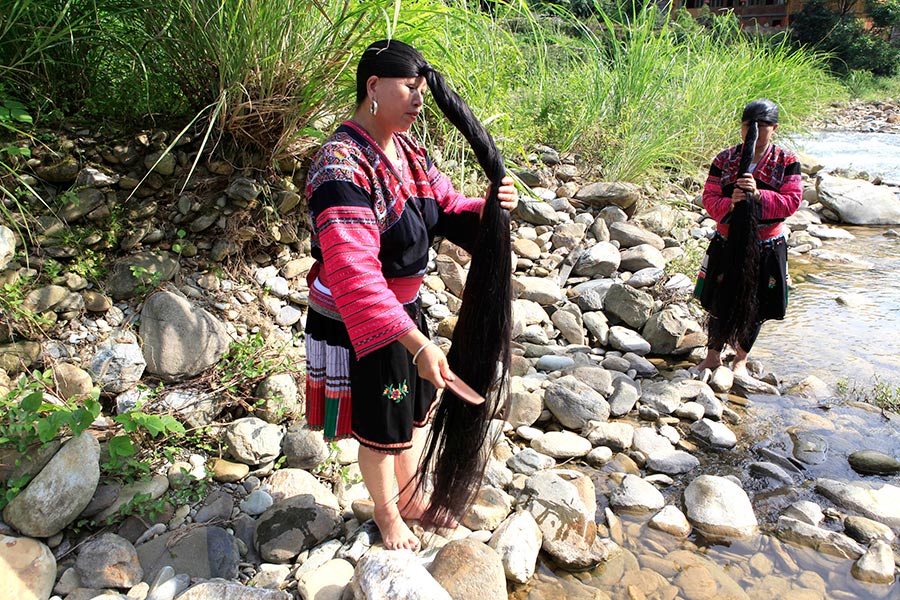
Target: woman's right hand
x: 433, y: 366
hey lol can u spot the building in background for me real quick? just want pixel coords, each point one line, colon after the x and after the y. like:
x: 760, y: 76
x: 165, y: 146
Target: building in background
x: 771, y: 15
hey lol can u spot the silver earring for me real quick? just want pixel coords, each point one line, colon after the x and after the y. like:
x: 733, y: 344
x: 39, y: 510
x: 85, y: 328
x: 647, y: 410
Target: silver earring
x: 373, y: 109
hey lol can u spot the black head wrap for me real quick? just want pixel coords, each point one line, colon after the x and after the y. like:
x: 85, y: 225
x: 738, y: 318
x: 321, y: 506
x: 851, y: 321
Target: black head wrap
x: 760, y: 110
x: 388, y: 58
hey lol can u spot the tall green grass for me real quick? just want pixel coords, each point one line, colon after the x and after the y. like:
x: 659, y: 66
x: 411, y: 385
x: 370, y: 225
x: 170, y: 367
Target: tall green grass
x: 632, y: 92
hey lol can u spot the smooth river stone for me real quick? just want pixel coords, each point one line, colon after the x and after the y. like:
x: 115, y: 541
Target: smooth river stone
x: 873, y: 462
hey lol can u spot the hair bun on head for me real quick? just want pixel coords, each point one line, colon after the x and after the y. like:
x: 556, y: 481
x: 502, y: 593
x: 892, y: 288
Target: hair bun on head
x: 760, y: 110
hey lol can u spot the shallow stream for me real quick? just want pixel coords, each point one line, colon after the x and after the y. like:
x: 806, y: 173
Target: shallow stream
x: 856, y: 344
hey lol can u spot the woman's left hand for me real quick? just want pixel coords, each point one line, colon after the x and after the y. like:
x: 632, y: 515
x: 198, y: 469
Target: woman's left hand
x: 747, y: 183
x: 507, y: 194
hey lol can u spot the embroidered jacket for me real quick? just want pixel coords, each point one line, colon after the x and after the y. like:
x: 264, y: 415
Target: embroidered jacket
x: 373, y: 222
x: 777, y: 178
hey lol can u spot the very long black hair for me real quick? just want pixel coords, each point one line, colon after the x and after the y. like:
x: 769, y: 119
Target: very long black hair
x: 456, y: 454
x: 738, y: 296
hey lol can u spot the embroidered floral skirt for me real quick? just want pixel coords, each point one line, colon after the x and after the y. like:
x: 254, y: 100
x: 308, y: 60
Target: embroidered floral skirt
x: 377, y: 399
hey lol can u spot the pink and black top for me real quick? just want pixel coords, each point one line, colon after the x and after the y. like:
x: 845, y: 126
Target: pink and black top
x: 373, y: 222
x: 777, y: 178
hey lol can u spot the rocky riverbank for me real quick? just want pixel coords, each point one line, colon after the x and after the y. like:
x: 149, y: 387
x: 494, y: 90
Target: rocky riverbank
x: 609, y: 425
x: 862, y: 116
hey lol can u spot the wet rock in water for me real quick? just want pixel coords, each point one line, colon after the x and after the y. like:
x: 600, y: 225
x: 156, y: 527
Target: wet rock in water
x: 574, y: 404
x: 719, y: 507
x: 397, y: 575
x: 811, y: 387
x: 772, y: 472
x: 529, y: 460
x: 108, y: 561
x: 27, y: 568
x: 327, y: 582
x: 750, y: 385
x: 876, y: 565
x: 517, y: 541
x: 489, y: 508
x: 562, y: 445
x: 469, y: 569
x: 880, y: 502
x: 866, y: 531
x: 672, y: 462
x: 859, y: 202
x: 821, y: 540
x: 567, y: 525
x: 809, y: 448
x: 671, y: 520
x: 873, y: 462
x: 636, y: 495
x: 293, y: 525
x: 201, y: 552
x: 714, y: 433
x: 224, y: 590
x: 63, y: 488
x: 790, y: 465
x: 806, y: 512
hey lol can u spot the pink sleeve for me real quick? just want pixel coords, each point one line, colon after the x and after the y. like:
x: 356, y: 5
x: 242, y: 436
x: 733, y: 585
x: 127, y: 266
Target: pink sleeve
x: 783, y: 203
x: 717, y: 205
x: 350, y: 241
x: 448, y: 198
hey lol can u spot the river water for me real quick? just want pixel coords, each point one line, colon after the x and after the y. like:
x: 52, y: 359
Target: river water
x: 856, y: 343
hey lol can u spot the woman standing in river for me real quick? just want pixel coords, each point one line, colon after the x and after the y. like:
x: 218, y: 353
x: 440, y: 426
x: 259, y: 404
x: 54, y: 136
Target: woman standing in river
x: 751, y: 189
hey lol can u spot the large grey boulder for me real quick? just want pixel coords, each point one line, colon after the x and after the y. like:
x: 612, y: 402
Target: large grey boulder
x: 118, y: 368
x: 293, y: 525
x: 180, y: 340
x: 518, y: 541
x: 607, y: 193
x: 201, y: 552
x: 397, y: 575
x: 140, y: 273
x: 859, y: 202
x: 629, y: 234
x: 630, y: 305
x: 58, y: 494
x: 600, y: 260
x: 574, y: 403
x: 471, y: 570
x: 878, y: 501
x: 719, y: 508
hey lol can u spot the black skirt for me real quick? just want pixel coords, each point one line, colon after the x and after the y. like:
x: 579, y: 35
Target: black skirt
x: 378, y: 399
x: 772, y: 289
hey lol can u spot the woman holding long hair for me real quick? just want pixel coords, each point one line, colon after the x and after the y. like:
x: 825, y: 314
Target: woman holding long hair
x: 376, y: 201
x: 751, y: 189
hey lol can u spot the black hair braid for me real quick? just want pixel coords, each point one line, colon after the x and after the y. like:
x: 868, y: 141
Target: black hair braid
x: 739, y: 300
x: 456, y: 453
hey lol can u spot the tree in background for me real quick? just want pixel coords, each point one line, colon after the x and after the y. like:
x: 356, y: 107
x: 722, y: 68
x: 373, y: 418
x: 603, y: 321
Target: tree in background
x: 834, y: 28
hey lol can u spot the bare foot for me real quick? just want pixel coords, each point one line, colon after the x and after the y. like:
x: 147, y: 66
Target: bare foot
x: 740, y: 369
x: 709, y: 363
x: 394, y: 532
x: 414, y: 510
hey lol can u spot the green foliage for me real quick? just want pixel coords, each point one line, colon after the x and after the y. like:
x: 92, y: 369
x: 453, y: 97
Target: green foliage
x: 332, y: 470
x: 15, y: 316
x: 247, y: 362
x: 881, y: 393
x: 148, y: 279
x: 844, y: 36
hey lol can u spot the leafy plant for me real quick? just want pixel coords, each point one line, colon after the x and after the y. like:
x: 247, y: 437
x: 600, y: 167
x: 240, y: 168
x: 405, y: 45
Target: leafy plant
x: 881, y: 393
x: 147, y: 279
x: 247, y: 362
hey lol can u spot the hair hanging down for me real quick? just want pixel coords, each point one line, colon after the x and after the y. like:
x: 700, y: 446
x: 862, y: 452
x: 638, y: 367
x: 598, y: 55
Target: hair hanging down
x: 456, y: 455
x: 738, y: 295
